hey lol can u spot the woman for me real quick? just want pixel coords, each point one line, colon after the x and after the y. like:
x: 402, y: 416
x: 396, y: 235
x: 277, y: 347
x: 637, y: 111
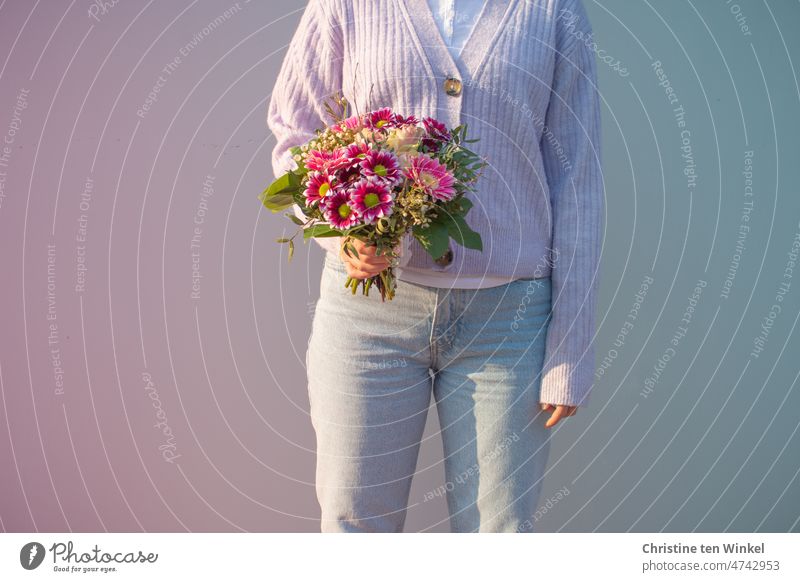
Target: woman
x: 501, y: 338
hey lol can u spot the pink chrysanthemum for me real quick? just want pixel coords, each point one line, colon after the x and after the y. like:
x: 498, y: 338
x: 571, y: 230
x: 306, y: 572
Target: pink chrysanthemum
x: 400, y: 121
x: 431, y: 177
x: 381, y: 118
x: 371, y: 199
x: 317, y: 187
x: 382, y: 165
x: 436, y: 129
x: 437, y: 134
x: 354, y: 153
x: 349, y: 175
x: 326, y: 161
x: 357, y: 151
x: 339, y: 210
x: 353, y: 122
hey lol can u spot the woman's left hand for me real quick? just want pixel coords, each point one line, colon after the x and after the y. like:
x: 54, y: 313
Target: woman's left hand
x: 560, y: 411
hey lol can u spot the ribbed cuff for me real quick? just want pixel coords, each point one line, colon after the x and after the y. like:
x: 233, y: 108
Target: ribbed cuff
x: 567, y: 381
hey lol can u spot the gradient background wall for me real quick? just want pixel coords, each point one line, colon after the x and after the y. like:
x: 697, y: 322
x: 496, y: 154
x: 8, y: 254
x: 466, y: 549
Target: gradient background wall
x: 101, y: 339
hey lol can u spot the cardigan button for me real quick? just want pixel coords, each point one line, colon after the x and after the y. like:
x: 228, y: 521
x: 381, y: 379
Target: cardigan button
x: 452, y: 86
x: 446, y: 258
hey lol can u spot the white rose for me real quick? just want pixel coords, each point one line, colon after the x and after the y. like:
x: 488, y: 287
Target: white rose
x: 405, y: 139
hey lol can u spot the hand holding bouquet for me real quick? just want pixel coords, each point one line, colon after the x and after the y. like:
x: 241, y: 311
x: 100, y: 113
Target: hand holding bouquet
x: 377, y: 177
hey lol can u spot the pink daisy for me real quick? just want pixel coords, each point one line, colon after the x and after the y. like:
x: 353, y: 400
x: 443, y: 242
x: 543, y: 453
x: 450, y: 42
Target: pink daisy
x: 381, y: 118
x: 354, y: 153
x: 400, y: 121
x: 324, y: 161
x: 353, y: 122
x: 431, y: 177
x: 436, y: 129
x: 350, y: 174
x: 371, y: 199
x: 437, y: 134
x: 317, y: 187
x: 381, y: 164
x: 339, y: 210
x: 357, y: 151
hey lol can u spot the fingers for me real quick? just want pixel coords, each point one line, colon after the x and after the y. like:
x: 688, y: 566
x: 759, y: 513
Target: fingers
x: 367, y: 264
x: 560, y: 411
x: 373, y: 262
x: 363, y: 249
x: 361, y: 274
x: 361, y: 269
x: 555, y: 417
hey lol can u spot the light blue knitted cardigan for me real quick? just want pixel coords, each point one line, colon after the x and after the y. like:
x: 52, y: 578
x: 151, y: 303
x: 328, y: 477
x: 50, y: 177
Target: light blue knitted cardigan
x: 528, y: 92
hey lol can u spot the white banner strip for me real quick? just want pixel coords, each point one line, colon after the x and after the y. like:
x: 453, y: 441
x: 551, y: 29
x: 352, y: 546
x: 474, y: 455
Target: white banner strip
x: 400, y: 557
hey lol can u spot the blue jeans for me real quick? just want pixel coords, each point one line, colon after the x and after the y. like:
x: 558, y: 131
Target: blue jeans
x: 371, y: 369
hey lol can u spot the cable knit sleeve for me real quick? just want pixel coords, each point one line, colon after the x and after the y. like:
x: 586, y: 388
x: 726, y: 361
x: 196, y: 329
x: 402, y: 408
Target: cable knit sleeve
x: 310, y: 73
x: 571, y: 154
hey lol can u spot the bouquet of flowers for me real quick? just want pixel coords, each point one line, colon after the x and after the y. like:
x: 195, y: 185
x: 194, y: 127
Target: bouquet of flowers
x: 380, y: 177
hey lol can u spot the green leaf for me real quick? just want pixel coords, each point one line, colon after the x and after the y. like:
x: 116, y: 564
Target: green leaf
x: 283, y: 240
x: 465, y: 203
x: 295, y: 219
x: 289, y: 182
x: 279, y: 195
x: 461, y: 232
x: 291, y: 250
x: 433, y: 238
x: 328, y: 234
x: 277, y: 202
x: 350, y: 250
x: 320, y: 230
